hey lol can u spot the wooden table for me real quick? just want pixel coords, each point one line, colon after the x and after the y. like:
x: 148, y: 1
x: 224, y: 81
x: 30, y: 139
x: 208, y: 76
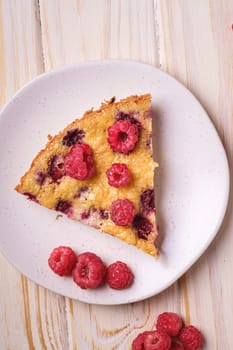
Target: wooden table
x: 193, y: 41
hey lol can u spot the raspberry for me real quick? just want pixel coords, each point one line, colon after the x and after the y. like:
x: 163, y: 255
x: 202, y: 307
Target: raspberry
x: 191, y: 338
x: 132, y: 117
x: 122, y: 212
x: 119, y: 275
x: 89, y: 271
x: 142, y: 226
x: 79, y: 162
x: 169, y: 323
x: 103, y: 214
x: 147, y: 200
x: 65, y: 207
x: 85, y: 214
x: 176, y: 346
x: 31, y: 196
x: 151, y: 340
x: 118, y: 175
x: 62, y: 260
x: 123, y: 136
x: 72, y: 137
x: 56, y: 167
x: 40, y: 177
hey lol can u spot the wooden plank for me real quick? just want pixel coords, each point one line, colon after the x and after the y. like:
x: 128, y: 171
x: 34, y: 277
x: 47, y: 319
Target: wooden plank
x: 21, y: 55
x: 115, y: 327
x: 74, y: 32
x: 197, y: 49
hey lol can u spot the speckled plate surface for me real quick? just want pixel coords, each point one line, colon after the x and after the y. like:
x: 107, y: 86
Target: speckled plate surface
x: 192, y: 181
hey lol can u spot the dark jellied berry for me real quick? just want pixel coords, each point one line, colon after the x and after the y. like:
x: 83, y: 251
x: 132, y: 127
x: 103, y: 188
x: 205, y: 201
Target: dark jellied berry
x: 56, y: 167
x: 119, y: 275
x: 151, y: 340
x: 122, y: 212
x: 72, y: 137
x: 191, y: 338
x: 40, y: 177
x: 142, y: 226
x: 62, y: 260
x: 103, y: 214
x: 147, y: 200
x: 65, y: 207
x: 31, y: 196
x: 169, y: 323
x: 118, y: 175
x: 82, y: 192
x: 79, y: 163
x: 85, y: 214
x: 132, y: 117
x: 123, y: 136
x: 89, y: 271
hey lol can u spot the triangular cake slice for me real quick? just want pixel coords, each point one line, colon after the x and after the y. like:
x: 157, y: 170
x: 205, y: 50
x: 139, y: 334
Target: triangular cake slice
x: 100, y: 170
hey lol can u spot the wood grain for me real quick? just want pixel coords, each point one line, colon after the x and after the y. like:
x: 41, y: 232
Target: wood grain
x: 197, y: 48
x: 115, y: 29
x: 193, y: 41
x: 30, y: 317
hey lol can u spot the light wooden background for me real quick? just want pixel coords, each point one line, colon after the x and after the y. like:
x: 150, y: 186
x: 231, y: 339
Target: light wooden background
x: 193, y: 41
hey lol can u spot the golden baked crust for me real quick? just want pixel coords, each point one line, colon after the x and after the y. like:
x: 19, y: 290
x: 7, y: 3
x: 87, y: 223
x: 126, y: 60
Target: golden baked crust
x: 94, y: 196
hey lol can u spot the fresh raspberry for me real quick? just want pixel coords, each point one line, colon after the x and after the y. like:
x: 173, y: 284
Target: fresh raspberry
x: 122, y: 212
x: 176, y: 346
x: 132, y: 117
x: 169, y: 323
x: 123, y: 136
x: 119, y: 275
x: 79, y: 162
x: 62, y: 260
x: 89, y: 271
x: 191, y: 338
x: 152, y: 340
x: 118, y: 175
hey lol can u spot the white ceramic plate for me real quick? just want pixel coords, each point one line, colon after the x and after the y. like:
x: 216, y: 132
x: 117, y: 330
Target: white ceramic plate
x: 193, y: 178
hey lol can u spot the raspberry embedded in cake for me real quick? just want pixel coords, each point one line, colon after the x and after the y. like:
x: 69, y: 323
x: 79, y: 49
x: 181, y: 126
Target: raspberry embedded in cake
x: 40, y: 177
x: 79, y: 163
x: 118, y: 175
x: 64, y: 207
x: 132, y: 117
x: 72, y: 137
x: 30, y: 196
x: 56, y: 167
x: 123, y: 136
x: 99, y: 170
x: 147, y: 201
x: 122, y: 212
x: 143, y: 227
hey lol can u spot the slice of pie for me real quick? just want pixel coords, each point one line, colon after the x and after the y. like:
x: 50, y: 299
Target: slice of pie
x: 99, y: 170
